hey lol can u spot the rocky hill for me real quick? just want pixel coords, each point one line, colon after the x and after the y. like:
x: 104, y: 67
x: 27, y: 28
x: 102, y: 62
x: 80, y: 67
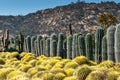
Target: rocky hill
x: 83, y: 17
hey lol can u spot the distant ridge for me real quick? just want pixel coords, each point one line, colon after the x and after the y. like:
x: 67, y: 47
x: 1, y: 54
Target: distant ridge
x: 83, y: 17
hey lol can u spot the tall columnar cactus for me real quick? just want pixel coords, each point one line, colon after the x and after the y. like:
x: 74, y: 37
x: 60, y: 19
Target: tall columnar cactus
x: 44, y: 45
x: 89, y: 49
x: 110, y: 43
x: 69, y: 47
x: 53, y: 48
x: 5, y: 40
x: 33, y: 38
x: 60, y: 50
x: 98, y: 41
x: 28, y: 43
x: 65, y: 48
x: 81, y: 45
x: 35, y: 48
x: 47, y: 51
x: 104, y: 48
x: 117, y: 43
x: 38, y: 44
x: 17, y: 43
x: 25, y: 45
x: 74, y: 46
x: 52, y: 38
x: 21, y: 42
x: 41, y: 46
x: 77, y: 47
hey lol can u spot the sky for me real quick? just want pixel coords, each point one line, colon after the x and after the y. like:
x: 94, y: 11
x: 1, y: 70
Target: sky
x: 23, y: 7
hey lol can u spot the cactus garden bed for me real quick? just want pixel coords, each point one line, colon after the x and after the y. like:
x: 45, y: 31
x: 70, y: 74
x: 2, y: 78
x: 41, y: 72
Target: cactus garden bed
x: 26, y: 66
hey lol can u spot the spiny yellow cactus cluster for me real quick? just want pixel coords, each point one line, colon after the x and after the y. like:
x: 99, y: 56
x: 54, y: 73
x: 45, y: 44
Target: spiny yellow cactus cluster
x: 26, y: 66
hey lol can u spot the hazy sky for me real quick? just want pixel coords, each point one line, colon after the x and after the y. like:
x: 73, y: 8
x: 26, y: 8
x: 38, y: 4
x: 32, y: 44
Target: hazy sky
x: 23, y: 7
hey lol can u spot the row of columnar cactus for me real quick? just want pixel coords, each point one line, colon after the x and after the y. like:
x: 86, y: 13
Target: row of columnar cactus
x: 73, y: 46
x: 106, y: 46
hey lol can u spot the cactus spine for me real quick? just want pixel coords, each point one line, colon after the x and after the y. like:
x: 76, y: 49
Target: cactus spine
x: 69, y: 47
x: 117, y: 43
x: 89, y: 49
x: 110, y: 43
x: 98, y: 41
x: 81, y: 45
x: 104, y: 48
x: 60, y: 50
